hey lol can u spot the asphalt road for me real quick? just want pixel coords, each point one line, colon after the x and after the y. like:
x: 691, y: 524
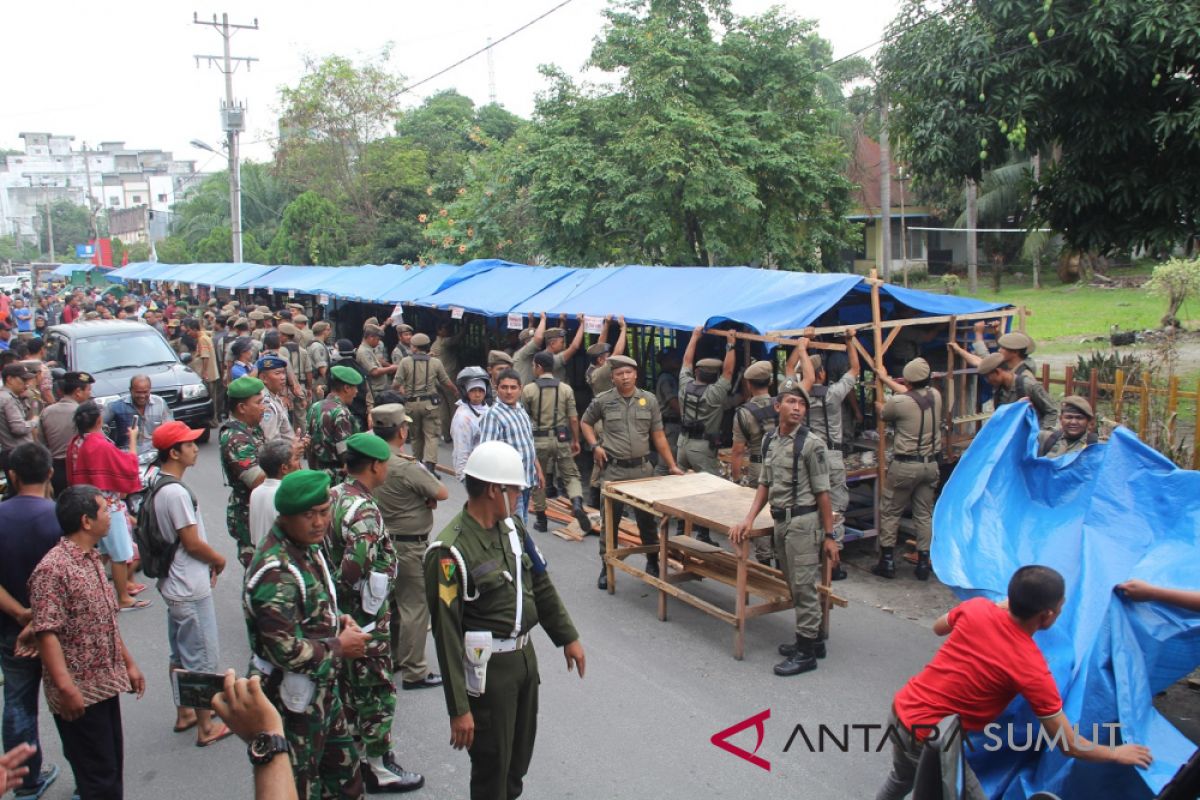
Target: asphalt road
x: 638, y: 726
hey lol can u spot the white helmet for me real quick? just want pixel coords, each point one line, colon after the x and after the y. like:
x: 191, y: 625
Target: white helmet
x: 497, y: 462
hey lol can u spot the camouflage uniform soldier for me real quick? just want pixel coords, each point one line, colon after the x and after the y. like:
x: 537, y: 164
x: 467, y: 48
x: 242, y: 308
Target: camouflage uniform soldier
x: 795, y: 482
x: 240, y: 439
x: 364, y: 566
x: 297, y: 643
x: 420, y: 379
x: 330, y: 422
x: 753, y: 420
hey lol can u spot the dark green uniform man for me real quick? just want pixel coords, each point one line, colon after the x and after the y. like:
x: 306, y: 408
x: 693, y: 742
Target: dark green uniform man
x: 331, y: 423
x: 364, y: 568
x: 915, y: 412
x: 632, y: 425
x: 240, y: 439
x: 488, y: 588
x: 1073, y: 433
x: 795, y: 483
x: 421, y: 378
x: 298, y: 642
x: 753, y: 420
x: 555, y: 418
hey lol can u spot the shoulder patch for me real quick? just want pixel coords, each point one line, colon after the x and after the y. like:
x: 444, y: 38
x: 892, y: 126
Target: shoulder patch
x: 641, y: 401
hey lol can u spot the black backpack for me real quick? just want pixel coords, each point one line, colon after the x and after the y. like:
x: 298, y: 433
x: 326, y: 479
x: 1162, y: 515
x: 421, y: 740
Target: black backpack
x: 156, y: 547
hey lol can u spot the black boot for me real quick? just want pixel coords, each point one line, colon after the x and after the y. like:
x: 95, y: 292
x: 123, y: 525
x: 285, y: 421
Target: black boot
x: 652, y: 566
x: 703, y: 536
x: 432, y: 467
x: 602, y: 581
x: 585, y: 523
x: 551, y: 491
x: 838, y: 574
x: 923, y: 569
x: 788, y: 649
x: 803, y: 660
x: 541, y: 526
x: 886, y: 568
x: 595, y: 500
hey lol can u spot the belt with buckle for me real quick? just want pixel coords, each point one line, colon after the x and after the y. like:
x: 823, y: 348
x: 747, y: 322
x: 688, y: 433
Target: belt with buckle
x: 509, y: 645
x: 913, y: 459
x: 408, y: 538
x: 781, y: 514
x: 630, y: 462
x: 756, y: 459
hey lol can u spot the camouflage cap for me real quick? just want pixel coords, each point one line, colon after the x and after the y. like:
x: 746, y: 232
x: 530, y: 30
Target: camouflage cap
x: 301, y: 490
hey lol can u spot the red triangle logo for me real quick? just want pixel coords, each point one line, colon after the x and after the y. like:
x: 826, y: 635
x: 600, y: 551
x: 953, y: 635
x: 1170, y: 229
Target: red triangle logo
x: 721, y: 739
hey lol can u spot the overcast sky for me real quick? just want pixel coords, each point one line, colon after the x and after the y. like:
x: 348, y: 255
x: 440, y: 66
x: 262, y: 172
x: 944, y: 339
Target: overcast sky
x: 125, y: 72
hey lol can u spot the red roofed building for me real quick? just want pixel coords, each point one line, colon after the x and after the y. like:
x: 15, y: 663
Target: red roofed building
x: 913, y: 246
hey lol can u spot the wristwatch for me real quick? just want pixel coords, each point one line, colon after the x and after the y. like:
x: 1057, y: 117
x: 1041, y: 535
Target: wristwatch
x: 831, y: 535
x: 264, y: 747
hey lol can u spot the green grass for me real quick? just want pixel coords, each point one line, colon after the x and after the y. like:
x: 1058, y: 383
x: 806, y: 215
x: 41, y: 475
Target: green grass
x: 1060, y: 311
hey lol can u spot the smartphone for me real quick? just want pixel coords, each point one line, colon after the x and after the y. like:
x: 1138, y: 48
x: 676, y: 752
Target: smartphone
x: 369, y: 627
x: 196, y: 689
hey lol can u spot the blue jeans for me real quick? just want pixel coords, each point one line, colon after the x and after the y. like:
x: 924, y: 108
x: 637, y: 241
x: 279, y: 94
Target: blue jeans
x: 22, y: 678
x: 192, y: 634
x: 522, y: 509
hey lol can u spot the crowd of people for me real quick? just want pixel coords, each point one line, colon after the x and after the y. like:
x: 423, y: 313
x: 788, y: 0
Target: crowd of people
x: 330, y: 450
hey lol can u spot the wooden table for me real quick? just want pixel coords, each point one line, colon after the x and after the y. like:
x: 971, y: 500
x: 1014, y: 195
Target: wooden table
x: 712, y: 502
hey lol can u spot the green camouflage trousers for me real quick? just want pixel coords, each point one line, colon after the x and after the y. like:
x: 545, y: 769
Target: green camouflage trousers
x: 237, y: 522
x: 324, y: 758
x: 370, y: 702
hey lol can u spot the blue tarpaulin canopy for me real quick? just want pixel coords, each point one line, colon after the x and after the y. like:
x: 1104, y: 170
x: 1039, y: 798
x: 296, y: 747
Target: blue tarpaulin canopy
x: 1107, y: 514
x: 670, y: 297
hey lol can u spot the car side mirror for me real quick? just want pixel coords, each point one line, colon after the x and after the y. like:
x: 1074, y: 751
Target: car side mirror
x: 186, y: 358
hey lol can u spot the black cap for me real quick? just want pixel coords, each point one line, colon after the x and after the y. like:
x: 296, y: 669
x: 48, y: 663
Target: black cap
x: 345, y: 347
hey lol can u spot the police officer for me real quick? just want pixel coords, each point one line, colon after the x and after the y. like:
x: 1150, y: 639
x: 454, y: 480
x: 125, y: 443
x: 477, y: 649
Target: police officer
x: 632, y: 425
x: 378, y: 373
x: 704, y: 387
x: 1073, y: 434
x: 1011, y: 387
x: 330, y: 422
x: 407, y: 500
x: 557, y: 347
x: 795, y: 482
x: 555, y: 419
x: 825, y: 420
x: 915, y: 412
x: 487, y: 587
x: 240, y: 439
x: 420, y: 379
x: 404, y: 344
x: 364, y: 567
x: 275, y: 424
x: 298, y: 642
x: 753, y: 420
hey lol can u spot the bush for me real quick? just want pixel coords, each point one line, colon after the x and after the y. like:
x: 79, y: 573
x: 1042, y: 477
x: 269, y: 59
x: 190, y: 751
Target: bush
x: 1106, y: 365
x: 1176, y: 280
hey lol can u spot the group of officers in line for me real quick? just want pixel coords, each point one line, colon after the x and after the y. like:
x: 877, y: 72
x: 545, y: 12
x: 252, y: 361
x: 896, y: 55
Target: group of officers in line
x: 327, y: 598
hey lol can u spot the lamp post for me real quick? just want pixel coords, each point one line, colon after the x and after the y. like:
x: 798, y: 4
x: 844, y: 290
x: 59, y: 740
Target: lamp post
x: 235, y: 190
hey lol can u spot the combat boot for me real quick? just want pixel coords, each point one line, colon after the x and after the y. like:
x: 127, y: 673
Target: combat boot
x: 652, y: 566
x: 886, y: 568
x: 595, y: 499
x: 838, y: 574
x: 541, y: 525
x: 432, y: 467
x: 602, y: 581
x: 382, y: 775
x: 788, y: 649
x: 923, y: 568
x: 585, y: 523
x: 803, y: 660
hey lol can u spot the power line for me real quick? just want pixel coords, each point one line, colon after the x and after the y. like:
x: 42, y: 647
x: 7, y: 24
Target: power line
x: 485, y: 48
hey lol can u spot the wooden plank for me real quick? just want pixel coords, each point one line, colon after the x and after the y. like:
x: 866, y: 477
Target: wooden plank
x: 1002, y: 313
x: 718, y: 510
x: 881, y: 447
x: 949, y: 410
x: 1069, y: 381
x: 664, y: 487
x: 1118, y: 395
x: 1172, y: 407
x: 1094, y: 391
x: 1144, y: 410
x: 787, y: 341
x: 887, y: 343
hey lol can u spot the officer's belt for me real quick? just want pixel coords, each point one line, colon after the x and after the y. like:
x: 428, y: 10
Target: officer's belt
x: 914, y: 459
x: 756, y: 459
x: 702, y: 435
x: 509, y: 645
x: 782, y: 514
x: 262, y: 665
x: 545, y: 431
x: 409, y: 538
x: 417, y: 397
x: 671, y: 420
x: 630, y: 462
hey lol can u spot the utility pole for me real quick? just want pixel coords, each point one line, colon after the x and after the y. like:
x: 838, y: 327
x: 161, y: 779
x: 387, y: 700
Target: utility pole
x: 972, y: 233
x: 885, y: 191
x: 491, y: 65
x: 233, y: 118
x: 93, y: 210
x: 49, y: 223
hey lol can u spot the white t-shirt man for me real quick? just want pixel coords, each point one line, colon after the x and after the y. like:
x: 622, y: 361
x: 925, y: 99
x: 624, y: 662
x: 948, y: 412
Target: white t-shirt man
x: 189, y: 578
x: 262, y: 509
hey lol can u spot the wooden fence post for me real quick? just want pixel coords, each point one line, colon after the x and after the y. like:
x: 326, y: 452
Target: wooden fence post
x: 1094, y: 391
x: 1144, y: 411
x: 1069, y: 382
x: 1172, y: 408
x: 1118, y: 395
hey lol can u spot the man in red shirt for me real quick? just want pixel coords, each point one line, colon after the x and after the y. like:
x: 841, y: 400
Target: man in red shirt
x: 989, y: 658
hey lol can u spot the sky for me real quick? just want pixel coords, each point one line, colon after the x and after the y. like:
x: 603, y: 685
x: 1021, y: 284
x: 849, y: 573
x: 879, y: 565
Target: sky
x: 125, y: 72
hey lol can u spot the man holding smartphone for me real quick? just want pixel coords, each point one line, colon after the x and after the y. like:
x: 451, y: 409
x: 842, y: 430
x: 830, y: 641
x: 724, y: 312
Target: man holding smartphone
x: 297, y: 640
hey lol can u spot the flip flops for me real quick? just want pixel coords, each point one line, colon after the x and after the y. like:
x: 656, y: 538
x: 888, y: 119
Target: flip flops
x: 224, y: 734
x: 138, y: 605
x: 187, y: 727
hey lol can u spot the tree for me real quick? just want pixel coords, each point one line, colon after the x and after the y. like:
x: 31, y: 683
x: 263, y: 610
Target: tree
x: 72, y: 225
x: 1107, y: 92
x: 10, y: 251
x: 217, y: 248
x: 1176, y: 280
x: 176, y: 250
x: 264, y: 196
x: 311, y: 233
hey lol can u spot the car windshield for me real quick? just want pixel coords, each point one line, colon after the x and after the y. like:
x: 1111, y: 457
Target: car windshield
x: 135, y: 349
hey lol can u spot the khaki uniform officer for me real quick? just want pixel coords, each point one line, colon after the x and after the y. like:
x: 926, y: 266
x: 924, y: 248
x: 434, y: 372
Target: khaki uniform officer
x: 497, y: 362
x: 599, y: 378
x: 555, y: 419
x: 379, y: 374
x: 632, y: 425
x: 420, y: 379
x: 318, y: 358
x: 702, y: 396
x: 1073, y: 433
x: 404, y: 345
x: 912, y: 477
x: 488, y: 587
x: 753, y: 420
x: 795, y: 482
x: 58, y: 422
x: 1011, y: 387
x: 407, y: 500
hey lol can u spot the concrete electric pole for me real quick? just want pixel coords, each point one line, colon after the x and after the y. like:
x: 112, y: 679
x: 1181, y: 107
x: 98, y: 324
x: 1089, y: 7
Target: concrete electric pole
x: 233, y: 118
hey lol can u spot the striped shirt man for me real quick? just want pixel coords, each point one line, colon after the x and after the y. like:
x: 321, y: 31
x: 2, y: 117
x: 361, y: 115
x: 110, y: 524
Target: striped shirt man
x: 511, y: 424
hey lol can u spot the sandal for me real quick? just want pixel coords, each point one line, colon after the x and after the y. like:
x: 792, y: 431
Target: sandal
x: 224, y: 734
x: 135, y: 589
x: 137, y: 605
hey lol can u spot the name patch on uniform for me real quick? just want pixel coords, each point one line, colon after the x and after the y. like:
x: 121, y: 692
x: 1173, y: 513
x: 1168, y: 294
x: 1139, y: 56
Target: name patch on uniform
x: 447, y: 587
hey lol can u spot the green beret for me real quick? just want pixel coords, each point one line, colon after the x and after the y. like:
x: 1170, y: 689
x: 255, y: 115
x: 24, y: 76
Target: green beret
x: 369, y: 445
x: 244, y: 387
x: 347, y: 375
x: 301, y: 490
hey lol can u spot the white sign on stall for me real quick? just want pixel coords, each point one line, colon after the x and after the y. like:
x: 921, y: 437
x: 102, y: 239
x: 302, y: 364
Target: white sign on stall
x: 456, y: 312
x: 593, y: 324
x: 516, y: 322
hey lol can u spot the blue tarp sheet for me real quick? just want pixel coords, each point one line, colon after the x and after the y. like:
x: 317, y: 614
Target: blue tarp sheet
x: 1111, y: 513
x: 494, y: 292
